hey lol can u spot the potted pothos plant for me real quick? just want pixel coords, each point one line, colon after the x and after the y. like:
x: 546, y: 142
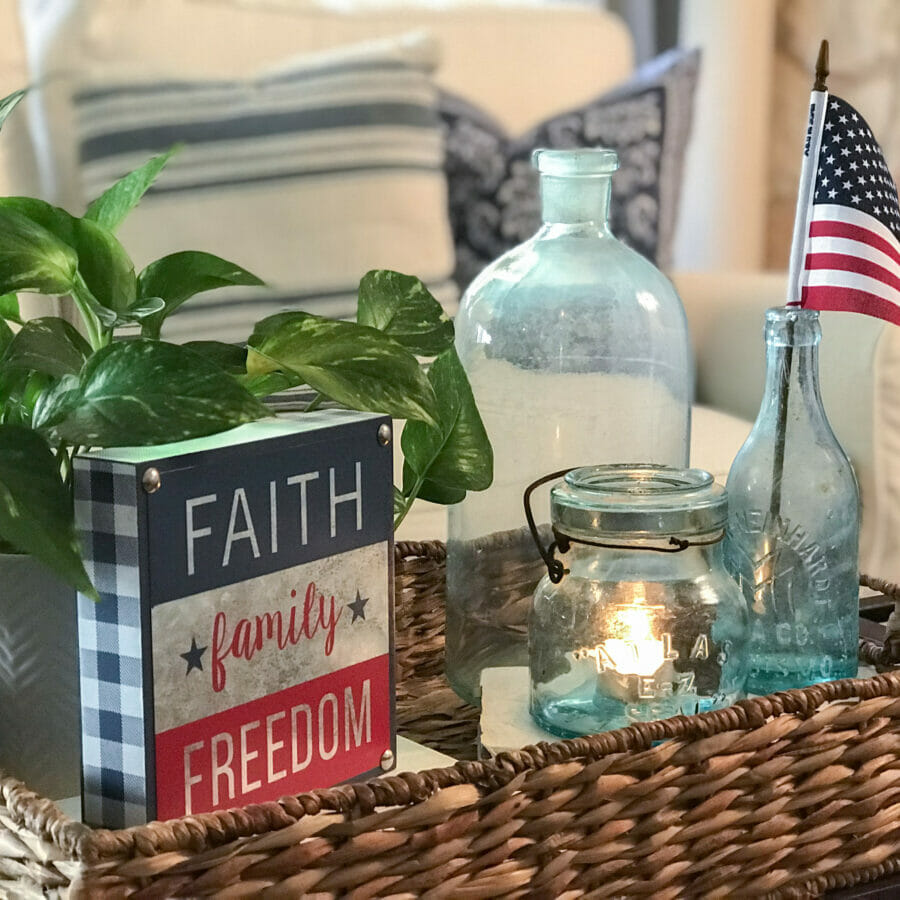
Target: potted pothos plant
x: 100, y: 376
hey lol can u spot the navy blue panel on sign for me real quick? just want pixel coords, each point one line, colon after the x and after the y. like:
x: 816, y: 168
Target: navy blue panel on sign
x: 238, y: 512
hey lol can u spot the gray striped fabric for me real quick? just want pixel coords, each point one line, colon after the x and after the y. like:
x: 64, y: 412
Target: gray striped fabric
x: 308, y: 176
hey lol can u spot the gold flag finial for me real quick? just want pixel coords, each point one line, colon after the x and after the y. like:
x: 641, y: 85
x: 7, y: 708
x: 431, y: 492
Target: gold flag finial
x: 821, y: 67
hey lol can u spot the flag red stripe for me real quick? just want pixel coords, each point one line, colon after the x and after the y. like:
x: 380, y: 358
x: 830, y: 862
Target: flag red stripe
x: 856, y: 264
x: 854, y: 233
x: 850, y: 300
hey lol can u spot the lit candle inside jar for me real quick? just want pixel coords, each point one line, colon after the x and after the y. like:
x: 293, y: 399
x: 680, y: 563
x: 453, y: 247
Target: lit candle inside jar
x: 636, y: 662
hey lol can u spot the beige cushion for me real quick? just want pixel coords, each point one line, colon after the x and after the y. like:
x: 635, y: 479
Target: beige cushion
x: 880, y: 551
x: 716, y: 438
x: 723, y: 207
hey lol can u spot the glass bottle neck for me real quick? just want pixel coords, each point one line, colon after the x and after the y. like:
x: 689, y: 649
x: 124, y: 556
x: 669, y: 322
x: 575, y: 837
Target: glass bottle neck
x: 792, y: 371
x: 576, y: 200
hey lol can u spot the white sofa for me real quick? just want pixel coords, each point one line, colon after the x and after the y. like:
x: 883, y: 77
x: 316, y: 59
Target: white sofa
x: 522, y: 63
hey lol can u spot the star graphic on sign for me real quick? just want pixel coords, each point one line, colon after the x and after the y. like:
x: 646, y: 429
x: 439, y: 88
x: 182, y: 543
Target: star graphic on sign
x: 193, y: 657
x: 359, y: 607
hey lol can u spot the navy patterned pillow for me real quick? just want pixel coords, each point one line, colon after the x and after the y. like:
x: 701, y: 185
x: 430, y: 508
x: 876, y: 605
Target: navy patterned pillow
x: 493, y: 191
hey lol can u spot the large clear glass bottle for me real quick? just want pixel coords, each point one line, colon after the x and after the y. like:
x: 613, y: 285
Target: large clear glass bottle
x: 577, y: 351
x: 793, y: 524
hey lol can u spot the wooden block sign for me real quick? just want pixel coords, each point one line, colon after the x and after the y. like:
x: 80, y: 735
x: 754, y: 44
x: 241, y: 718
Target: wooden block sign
x: 242, y: 647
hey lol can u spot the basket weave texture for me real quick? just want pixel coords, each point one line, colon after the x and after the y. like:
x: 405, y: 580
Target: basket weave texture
x: 780, y: 796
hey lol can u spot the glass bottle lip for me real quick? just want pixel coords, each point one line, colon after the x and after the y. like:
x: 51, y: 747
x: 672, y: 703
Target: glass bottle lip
x: 583, y: 162
x: 791, y: 314
x: 792, y: 326
x: 631, y: 501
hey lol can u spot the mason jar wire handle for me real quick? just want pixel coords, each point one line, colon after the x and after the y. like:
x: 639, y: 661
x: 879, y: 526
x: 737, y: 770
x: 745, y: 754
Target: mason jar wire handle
x: 555, y: 569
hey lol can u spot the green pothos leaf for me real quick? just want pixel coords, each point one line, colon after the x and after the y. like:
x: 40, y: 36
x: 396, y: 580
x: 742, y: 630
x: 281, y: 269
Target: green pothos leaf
x: 48, y: 344
x: 404, y: 309
x: 100, y: 260
x: 178, y: 277
x: 113, y: 205
x: 9, y: 308
x: 443, y: 462
x: 32, y: 258
x: 6, y: 336
x: 36, y: 514
x: 149, y: 392
x: 355, y: 365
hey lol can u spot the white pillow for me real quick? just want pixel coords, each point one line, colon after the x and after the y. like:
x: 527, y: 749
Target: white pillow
x: 308, y: 173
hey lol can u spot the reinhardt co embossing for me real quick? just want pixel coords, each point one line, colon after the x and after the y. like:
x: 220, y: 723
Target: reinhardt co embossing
x: 793, y: 535
x: 788, y: 563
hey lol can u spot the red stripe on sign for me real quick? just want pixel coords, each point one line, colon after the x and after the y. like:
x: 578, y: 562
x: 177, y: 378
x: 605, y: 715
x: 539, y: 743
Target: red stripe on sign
x: 843, y: 263
x: 850, y: 300
x: 312, y: 735
x: 854, y: 233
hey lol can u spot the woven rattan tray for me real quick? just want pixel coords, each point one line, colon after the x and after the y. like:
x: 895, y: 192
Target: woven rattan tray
x: 781, y: 796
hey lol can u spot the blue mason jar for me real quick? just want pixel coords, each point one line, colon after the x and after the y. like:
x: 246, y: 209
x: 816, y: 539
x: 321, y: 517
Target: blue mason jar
x: 637, y: 618
x: 793, y: 529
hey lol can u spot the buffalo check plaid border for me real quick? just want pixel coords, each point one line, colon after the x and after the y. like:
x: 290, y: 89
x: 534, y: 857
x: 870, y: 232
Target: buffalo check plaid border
x: 113, y: 707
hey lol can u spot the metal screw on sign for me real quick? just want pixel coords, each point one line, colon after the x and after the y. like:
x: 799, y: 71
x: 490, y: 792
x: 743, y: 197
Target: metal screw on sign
x: 387, y: 760
x: 384, y: 435
x: 151, y: 481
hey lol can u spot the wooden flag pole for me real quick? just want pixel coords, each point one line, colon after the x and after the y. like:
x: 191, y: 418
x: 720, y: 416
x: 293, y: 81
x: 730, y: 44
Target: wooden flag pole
x: 817, y: 108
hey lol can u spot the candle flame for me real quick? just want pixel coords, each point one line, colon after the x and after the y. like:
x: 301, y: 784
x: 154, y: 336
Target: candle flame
x: 636, y: 623
x: 636, y: 650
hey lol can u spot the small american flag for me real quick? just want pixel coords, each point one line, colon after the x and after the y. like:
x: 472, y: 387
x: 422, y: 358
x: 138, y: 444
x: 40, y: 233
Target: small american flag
x: 853, y: 251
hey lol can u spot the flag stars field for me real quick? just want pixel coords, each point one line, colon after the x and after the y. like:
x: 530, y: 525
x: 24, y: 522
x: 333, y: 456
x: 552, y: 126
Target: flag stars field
x: 852, y: 259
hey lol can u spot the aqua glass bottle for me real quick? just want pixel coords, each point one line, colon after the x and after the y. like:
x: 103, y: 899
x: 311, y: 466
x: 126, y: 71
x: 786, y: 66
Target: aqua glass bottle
x: 577, y: 351
x: 793, y: 524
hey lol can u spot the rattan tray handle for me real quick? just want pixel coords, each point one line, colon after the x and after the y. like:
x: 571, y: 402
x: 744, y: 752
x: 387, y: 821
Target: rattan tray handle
x: 889, y: 654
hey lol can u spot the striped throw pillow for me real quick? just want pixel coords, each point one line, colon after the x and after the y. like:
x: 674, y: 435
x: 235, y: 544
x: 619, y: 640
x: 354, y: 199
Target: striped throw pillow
x: 309, y: 175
